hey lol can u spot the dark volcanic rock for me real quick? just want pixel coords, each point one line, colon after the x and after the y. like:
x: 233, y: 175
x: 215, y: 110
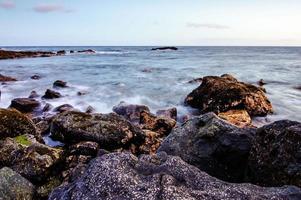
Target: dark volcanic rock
x: 50, y: 94
x: 87, y: 51
x: 220, y: 94
x: 6, y: 78
x: 14, y: 187
x: 84, y: 148
x: 124, y: 176
x: 62, y: 52
x: 25, y: 105
x: 212, y: 145
x: 170, y: 113
x: 130, y: 111
x: 60, y: 84
x: 109, y: 130
x: 14, y: 123
x: 24, y: 54
x: 165, y: 48
x: 275, y: 157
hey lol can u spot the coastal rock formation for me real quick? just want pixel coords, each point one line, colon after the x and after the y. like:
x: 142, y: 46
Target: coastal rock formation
x: 63, y: 108
x: 31, y: 159
x: 169, y: 113
x: 14, y: 187
x: 61, y: 52
x: 14, y: 123
x: 152, y: 142
x: 60, y: 84
x: 24, y: 105
x: 86, y: 51
x: 6, y: 78
x: 111, y: 131
x: 124, y: 176
x: 212, y: 145
x: 240, y: 118
x: 24, y: 54
x: 130, y: 111
x: 165, y: 48
x: 220, y: 94
x: 50, y: 94
x: 275, y: 157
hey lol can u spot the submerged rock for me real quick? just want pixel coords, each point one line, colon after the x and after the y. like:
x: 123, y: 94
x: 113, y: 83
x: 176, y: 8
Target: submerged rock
x: 25, y: 105
x: 6, y: 78
x: 130, y: 111
x: 165, y: 48
x: 220, y: 94
x: 275, y: 157
x: 14, y: 123
x: 14, y: 187
x: 60, y: 84
x: 212, y: 145
x: 240, y: 118
x: 109, y: 130
x: 124, y: 176
x: 50, y: 94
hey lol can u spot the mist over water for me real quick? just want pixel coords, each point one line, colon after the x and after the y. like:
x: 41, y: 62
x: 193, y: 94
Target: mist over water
x: 158, y: 79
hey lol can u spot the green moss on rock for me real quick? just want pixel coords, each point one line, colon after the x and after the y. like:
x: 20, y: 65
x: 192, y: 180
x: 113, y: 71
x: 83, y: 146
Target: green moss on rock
x: 22, y: 139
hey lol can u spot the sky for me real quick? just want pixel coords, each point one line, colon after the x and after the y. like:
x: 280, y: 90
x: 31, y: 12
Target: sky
x: 150, y: 22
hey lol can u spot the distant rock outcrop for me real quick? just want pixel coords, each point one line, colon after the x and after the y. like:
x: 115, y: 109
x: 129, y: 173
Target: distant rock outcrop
x: 165, y: 48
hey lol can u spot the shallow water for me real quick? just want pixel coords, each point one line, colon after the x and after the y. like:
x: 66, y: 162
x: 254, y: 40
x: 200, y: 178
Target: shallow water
x: 117, y: 74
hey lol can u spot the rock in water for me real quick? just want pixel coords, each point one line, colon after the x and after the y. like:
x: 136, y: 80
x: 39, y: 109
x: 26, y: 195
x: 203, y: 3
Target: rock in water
x: 165, y: 48
x: 212, y: 145
x: 170, y: 113
x: 14, y: 123
x: 60, y: 84
x: 6, y: 78
x: 275, y: 158
x: 24, y: 105
x: 109, y: 130
x: 130, y: 111
x: 13, y: 186
x: 50, y: 94
x: 240, y: 118
x: 124, y: 176
x: 220, y: 94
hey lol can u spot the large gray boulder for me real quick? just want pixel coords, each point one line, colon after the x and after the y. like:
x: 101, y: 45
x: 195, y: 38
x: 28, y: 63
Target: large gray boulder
x: 124, y: 176
x: 212, y: 145
x: 13, y: 186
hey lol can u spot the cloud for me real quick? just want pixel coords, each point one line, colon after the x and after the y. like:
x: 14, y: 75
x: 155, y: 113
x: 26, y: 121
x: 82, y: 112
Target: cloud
x: 7, y: 4
x: 46, y: 8
x: 211, y: 26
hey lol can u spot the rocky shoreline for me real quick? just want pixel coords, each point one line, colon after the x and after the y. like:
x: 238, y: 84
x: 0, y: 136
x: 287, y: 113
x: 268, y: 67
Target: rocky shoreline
x: 132, y: 153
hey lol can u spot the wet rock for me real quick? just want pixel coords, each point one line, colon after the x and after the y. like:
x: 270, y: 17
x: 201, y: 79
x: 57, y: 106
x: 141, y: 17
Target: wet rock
x: 60, y: 84
x: 220, y: 94
x: 240, y: 118
x: 165, y: 48
x: 161, y: 125
x: 111, y: 131
x: 35, y: 77
x: 169, y: 113
x: 261, y: 82
x: 33, y: 95
x: 152, y: 142
x: 14, y: 187
x: 124, y: 176
x: 24, y: 54
x: 71, y: 51
x: 63, y: 108
x: 90, y: 109
x: 43, y: 126
x: 47, y: 107
x: 196, y: 80
x: 25, y: 105
x: 212, y: 145
x: 50, y: 94
x: 87, y: 51
x: 62, y: 52
x: 6, y: 78
x: 84, y: 148
x: 14, y: 123
x: 82, y: 93
x: 130, y: 111
x: 275, y: 158
x: 33, y: 160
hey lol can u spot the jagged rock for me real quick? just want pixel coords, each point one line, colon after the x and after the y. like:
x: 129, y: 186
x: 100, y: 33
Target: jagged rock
x: 240, y: 118
x: 6, y: 78
x: 130, y: 111
x: 14, y: 123
x: 109, y: 130
x: 60, y: 84
x: 50, y: 94
x: 25, y: 105
x: 152, y: 142
x: 220, y: 94
x: 90, y: 109
x: 14, y: 187
x: 169, y: 113
x: 275, y: 157
x: 124, y: 176
x: 212, y: 145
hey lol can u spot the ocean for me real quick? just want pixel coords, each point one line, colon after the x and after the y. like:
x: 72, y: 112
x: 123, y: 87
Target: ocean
x: 158, y: 79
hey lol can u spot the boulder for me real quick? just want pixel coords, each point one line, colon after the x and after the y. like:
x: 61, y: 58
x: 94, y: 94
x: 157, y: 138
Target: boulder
x: 124, y: 176
x: 60, y: 84
x: 240, y: 118
x: 111, y: 131
x: 63, y: 108
x: 6, y: 78
x: 169, y: 113
x: 33, y: 95
x: 84, y: 148
x: 152, y: 142
x: 275, y: 157
x: 212, y: 145
x: 50, y: 94
x: 130, y: 111
x: 14, y: 187
x: 220, y: 94
x: 14, y: 123
x: 25, y: 105
x: 31, y: 159
x: 165, y: 48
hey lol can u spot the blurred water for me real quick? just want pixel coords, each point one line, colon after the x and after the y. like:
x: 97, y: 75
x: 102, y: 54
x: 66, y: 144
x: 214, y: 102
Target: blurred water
x: 155, y: 78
